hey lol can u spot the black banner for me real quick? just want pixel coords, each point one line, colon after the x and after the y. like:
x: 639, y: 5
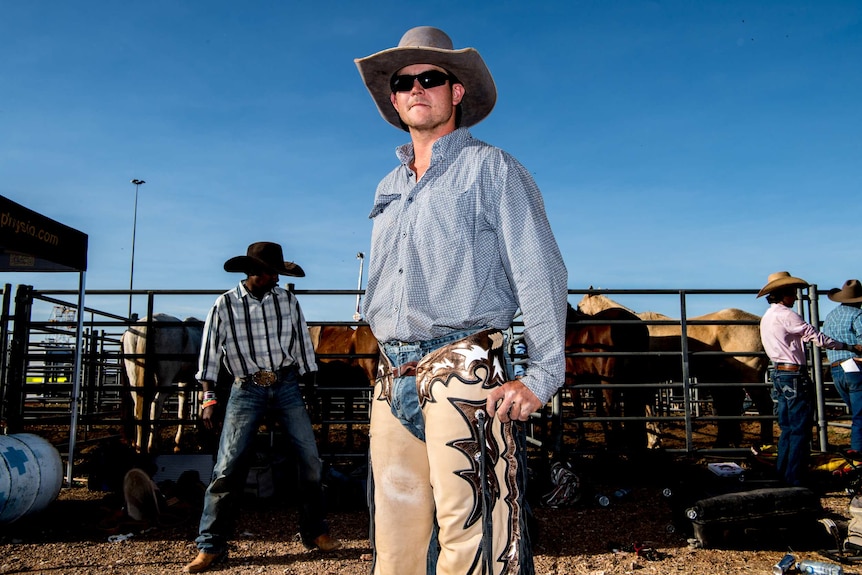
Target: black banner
x: 31, y: 242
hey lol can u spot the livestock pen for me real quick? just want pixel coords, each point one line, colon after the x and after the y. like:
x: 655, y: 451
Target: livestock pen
x: 35, y: 393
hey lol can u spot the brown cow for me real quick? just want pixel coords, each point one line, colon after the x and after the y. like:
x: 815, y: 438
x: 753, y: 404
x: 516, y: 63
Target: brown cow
x: 340, y: 364
x: 733, y: 330
x: 621, y: 331
x: 342, y: 341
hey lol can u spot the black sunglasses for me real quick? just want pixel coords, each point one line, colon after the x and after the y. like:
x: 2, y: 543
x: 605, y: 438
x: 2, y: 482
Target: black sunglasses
x: 427, y: 79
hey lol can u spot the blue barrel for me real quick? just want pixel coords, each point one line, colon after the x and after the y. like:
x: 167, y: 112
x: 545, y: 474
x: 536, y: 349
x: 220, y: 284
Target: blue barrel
x: 31, y: 474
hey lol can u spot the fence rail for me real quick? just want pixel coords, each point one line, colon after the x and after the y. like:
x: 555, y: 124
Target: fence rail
x: 35, y: 372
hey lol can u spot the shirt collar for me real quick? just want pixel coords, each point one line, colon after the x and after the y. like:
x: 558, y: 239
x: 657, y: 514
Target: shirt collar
x: 444, y: 146
x: 242, y: 292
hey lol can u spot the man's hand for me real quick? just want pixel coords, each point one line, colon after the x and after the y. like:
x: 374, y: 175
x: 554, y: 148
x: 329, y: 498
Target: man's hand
x: 309, y: 394
x: 312, y: 404
x: 208, y: 410
x: 512, y: 401
x: 208, y: 417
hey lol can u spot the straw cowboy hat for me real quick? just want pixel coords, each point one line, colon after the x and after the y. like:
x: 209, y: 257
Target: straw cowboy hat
x: 263, y: 255
x: 851, y: 292
x: 780, y: 280
x: 428, y: 45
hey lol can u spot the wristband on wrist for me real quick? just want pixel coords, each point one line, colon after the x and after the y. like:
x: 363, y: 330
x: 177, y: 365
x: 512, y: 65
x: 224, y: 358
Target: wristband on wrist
x: 208, y: 403
x: 209, y: 395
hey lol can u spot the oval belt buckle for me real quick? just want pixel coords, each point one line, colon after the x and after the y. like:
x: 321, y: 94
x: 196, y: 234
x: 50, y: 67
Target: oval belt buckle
x: 264, y: 378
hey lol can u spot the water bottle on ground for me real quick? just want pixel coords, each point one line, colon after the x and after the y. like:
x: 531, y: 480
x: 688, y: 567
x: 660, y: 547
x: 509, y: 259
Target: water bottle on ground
x: 819, y: 568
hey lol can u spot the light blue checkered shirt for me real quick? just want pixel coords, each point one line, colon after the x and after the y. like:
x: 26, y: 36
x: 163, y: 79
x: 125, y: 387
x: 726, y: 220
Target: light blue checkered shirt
x: 254, y: 334
x: 844, y: 323
x: 466, y: 247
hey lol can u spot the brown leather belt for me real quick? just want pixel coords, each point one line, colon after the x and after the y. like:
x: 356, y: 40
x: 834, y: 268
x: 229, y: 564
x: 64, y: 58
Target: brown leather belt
x: 837, y: 363
x: 788, y: 367
x: 405, y: 369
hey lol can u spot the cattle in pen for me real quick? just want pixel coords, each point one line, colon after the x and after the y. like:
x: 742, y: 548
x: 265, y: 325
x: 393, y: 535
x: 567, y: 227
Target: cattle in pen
x: 726, y: 360
x: 171, y: 347
x: 602, y: 348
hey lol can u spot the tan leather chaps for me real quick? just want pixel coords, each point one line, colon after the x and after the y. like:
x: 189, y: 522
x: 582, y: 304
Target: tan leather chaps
x: 426, y: 482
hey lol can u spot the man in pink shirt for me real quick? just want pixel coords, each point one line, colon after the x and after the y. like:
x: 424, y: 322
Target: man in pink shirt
x: 784, y: 334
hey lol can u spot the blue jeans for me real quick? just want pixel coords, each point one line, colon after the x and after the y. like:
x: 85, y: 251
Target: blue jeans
x: 793, y: 392
x: 405, y: 400
x: 849, y: 387
x: 247, y: 404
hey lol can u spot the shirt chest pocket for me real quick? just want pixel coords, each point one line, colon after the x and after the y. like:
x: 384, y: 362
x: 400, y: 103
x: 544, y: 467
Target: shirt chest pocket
x: 445, y: 222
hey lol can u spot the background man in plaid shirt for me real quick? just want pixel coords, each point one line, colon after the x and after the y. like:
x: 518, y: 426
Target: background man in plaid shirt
x: 260, y: 332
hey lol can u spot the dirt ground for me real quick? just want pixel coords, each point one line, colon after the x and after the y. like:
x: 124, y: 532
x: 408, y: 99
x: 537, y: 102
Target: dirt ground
x: 645, y: 532
x: 84, y: 531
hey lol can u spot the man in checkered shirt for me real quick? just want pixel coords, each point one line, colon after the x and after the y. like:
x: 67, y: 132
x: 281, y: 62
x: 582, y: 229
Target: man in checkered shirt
x: 460, y: 242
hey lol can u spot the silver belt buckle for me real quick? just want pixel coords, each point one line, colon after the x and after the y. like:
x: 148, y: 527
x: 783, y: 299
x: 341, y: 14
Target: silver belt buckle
x: 264, y: 378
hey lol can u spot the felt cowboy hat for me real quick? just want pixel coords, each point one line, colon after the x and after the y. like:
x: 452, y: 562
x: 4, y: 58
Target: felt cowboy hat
x: 142, y: 496
x: 263, y: 255
x: 850, y: 292
x: 428, y: 45
x: 780, y: 280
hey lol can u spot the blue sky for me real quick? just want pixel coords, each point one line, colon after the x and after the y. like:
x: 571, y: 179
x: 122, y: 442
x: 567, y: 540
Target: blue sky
x: 678, y: 144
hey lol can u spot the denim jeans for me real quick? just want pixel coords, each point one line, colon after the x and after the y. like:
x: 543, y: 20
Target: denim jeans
x: 405, y: 401
x: 793, y: 392
x: 247, y: 404
x: 849, y: 387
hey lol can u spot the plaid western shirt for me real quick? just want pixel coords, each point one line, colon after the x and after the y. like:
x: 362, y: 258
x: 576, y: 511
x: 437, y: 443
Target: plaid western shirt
x: 843, y: 323
x: 255, y: 334
x: 466, y: 247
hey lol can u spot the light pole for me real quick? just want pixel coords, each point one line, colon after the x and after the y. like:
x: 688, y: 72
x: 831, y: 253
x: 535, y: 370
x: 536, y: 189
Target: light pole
x: 134, y: 229
x: 358, y: 315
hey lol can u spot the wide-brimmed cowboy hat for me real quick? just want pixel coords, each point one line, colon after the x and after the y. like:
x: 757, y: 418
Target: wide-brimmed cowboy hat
x: 263, y: 256
x: 850, y: 292
x: 780, y: 280
x: 428, y: 45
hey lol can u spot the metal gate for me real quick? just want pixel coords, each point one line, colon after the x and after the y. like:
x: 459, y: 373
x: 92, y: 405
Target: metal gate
x: 36, y: 359
x: 36, y: 375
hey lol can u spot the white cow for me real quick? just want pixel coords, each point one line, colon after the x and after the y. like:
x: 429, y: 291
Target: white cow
x: 176, y: 346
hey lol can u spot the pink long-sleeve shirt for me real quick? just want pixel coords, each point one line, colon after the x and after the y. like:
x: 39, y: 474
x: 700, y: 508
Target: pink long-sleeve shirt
x: 783, y: 333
